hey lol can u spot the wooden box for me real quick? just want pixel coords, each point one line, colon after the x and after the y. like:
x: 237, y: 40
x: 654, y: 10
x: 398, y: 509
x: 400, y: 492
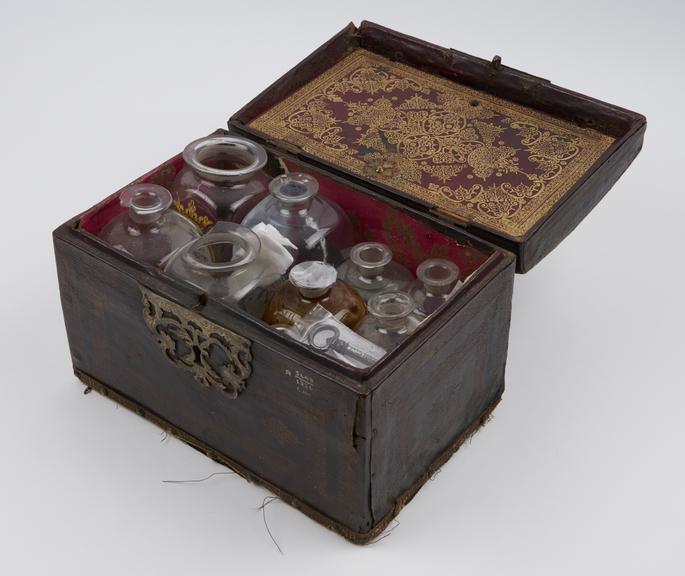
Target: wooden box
x: 436, y: 153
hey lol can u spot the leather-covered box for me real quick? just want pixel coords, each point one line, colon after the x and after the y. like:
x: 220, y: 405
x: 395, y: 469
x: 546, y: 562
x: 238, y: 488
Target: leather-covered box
x: 432, y: 151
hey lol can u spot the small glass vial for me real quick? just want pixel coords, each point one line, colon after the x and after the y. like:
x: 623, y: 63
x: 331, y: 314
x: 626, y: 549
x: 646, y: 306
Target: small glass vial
x: 222, y: 179
x: 148, y: 231
x: 437, y: 279
x: 225, y: 264
x: 390, y: 319
x: 318, y: 229
x: 370, y: 270
x: 309, y: 284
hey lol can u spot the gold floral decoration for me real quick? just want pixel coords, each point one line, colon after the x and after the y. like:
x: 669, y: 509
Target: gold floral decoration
x: 467, y: 152
x: 189, y: 210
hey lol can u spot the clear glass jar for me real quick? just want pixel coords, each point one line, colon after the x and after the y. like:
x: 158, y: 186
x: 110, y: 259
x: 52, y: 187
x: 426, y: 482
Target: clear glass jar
x: 149, y: 230
x: 226, y: 264
x: 390, y: 319
x: 309, y: 284
x: 318, y: 228
x: 437, y: 279
x: 222, y: 180
x: 370, y: 270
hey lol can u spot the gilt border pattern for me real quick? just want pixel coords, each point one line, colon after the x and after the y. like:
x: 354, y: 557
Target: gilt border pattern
x: 465, y: 152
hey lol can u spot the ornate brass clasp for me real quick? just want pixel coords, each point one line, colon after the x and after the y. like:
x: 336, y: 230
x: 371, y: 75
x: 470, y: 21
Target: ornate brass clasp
x: 214, y: 355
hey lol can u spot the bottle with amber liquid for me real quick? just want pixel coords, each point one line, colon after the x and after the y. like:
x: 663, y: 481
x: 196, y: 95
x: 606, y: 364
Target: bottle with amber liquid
x: 311, y: 283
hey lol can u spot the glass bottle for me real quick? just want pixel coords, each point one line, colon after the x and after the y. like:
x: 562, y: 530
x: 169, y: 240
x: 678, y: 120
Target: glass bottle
x: 318, y: 228
x: 222, y: 179
x: 390, y: 319
x: 309, y: 284
x: 226, y: 264
x: 370, y: 270
x: 148, y: 230
x: 437, y: 279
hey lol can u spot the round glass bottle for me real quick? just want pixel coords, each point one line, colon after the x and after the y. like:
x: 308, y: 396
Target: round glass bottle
x: 225, y: 264
x: 390, y: 319
x: 309, y: 284
x: 148, y: 230
x: 222, y: 179
x: 437, y: 279
x: 318, y: 229
x: 370, y: 270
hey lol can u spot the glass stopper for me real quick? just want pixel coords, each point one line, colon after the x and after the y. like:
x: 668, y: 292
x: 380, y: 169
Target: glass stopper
x: 293, y: 188
x: 145, y: 202
x: 391, y: 309
x: 437, y: 275
x: 370, y: 257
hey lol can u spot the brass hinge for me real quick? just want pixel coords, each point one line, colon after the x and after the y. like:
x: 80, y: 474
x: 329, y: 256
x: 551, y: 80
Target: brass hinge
x: 453, y: 217
x: 496, y: 64
x: 285, y: 146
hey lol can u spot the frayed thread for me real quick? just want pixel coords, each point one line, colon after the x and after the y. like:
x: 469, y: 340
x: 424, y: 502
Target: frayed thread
x: 268, y: 500
x: 195, y: 481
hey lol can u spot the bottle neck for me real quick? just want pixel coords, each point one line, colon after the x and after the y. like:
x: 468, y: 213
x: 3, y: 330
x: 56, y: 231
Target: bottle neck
x: 370, y: 259
x: 228, y: 161
x: 232, y: 249
x: 438, y: 276
x: 294, y: 210
x: 396, y: 325
x: 314, y: 293
x: 392, y: 310
x: 146, y: 204
x: 294, y: 194
x: 144, y: 220
x: 436, y: 289
x: 369, y: 272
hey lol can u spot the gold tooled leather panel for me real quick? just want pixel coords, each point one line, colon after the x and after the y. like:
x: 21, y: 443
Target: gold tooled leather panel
x: 475, y: 156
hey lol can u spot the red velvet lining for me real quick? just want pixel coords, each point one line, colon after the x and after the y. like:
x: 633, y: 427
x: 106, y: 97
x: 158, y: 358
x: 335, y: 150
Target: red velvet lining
x: 411, y: 241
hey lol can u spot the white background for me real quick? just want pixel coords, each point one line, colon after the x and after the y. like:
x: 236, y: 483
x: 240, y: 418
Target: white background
x: 580, y: 471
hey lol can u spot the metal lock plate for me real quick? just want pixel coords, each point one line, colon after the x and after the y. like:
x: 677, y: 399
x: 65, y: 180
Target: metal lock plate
x: 216, y: 356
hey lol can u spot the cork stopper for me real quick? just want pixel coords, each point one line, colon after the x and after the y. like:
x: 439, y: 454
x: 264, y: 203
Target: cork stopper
x: 313, y: 279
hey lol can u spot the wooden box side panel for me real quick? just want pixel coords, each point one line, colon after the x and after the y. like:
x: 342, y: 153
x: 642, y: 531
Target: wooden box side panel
x: 292, y: 427
x: 427, y: 407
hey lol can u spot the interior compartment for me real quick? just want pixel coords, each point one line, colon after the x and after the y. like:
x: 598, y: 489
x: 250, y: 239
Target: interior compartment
x: 411, y: 237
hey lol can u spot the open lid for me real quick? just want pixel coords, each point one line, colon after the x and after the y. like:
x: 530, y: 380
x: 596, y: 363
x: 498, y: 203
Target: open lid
x: 508, y: 156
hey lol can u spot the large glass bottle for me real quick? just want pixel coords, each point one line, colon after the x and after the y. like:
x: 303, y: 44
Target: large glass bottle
x: 370, y: 270
x: 309, y: 284
x: 222, y: 179
x: 318, y: 228
x: 227, y: 264
x: 390, y: 319
x: 148, y: 230
x: 437, y: 279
